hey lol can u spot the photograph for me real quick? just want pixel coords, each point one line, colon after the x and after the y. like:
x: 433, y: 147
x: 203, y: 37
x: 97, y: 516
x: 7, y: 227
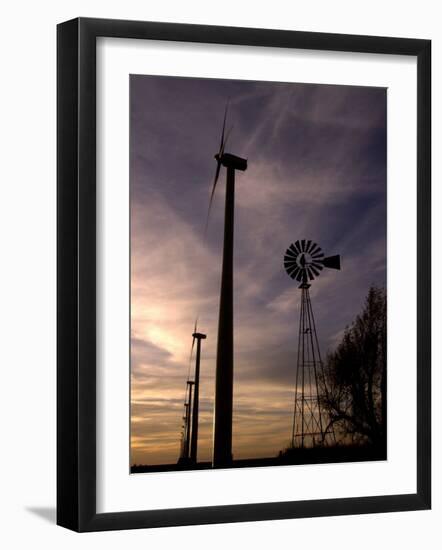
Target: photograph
x: 258, y: 286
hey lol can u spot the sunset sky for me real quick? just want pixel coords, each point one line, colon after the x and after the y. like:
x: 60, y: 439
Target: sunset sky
x: 316, y: 170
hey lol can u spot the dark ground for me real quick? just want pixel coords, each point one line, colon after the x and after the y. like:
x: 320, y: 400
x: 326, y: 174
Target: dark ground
x: 318, y: 455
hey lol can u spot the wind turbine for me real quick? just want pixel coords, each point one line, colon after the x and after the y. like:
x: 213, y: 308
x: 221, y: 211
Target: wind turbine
x: 198, y: 336
x: 186, y: 427
x: 222, y: 438
x: 189, y: 434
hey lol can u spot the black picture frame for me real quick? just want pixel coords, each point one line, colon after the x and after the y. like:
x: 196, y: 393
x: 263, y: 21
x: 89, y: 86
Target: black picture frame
x: 76, y: 274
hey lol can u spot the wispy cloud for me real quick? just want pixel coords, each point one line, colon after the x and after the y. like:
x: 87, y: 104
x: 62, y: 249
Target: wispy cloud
x: 317, y: 169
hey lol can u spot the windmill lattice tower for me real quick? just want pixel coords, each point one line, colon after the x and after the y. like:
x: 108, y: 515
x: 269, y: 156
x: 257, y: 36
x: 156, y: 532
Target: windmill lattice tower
x: 303, y: 261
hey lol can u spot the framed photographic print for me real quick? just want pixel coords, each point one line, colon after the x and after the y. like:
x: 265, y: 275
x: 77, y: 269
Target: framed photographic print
x: 243, y: 274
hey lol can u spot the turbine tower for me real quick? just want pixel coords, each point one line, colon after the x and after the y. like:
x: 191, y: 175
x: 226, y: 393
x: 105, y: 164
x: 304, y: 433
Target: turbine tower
x: 303, y: 261
x: 187, y: 424
x: 222, y: 437
x: 189, y: 433
x: 198, y: 336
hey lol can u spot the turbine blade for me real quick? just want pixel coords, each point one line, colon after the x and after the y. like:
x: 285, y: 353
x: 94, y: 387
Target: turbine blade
x: 294, y: 251
x: 291, y: 268
x: 289, y: 257
x: 300, y: 274
x: 308, y: 246
x: 218, y: 165
x: 225, y: 141
x: 294, y: 273
x: 315, y: 270
x: 224, y: 126
x: 212, y: 194
x: 303, y: 245
x: 193, y: 341
x: 298, y: 247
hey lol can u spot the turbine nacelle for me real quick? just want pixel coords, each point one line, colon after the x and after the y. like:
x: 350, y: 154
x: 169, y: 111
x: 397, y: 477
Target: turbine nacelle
x: 231, y: 161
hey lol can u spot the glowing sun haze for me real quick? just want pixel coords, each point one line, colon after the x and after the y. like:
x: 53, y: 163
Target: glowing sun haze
x: 316, y: 170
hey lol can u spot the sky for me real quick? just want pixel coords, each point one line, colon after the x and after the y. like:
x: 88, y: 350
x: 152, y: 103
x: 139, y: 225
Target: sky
x: 316, y: 170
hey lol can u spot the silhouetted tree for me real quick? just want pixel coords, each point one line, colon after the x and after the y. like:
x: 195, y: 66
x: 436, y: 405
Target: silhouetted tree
x: 356, y: 375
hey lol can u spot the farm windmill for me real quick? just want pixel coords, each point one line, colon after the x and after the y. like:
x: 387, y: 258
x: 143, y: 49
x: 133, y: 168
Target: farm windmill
x: 303, y: 261
x: 222, y: 439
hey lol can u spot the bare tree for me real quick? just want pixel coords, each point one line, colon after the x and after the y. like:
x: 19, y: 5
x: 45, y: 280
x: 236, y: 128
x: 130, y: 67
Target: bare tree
x: 356, y: 375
